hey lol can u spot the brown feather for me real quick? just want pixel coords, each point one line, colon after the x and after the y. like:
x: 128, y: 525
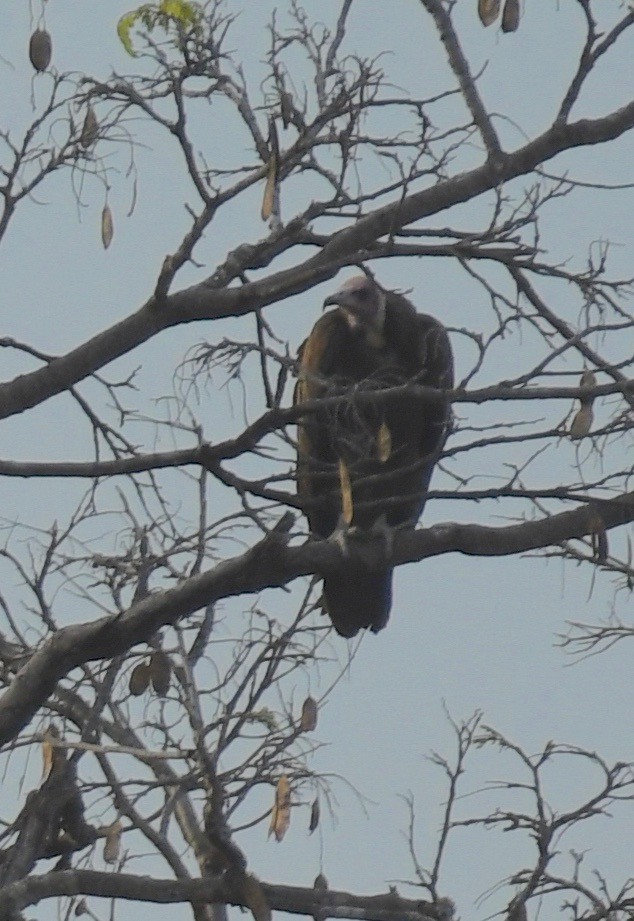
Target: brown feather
x: 340, y: 358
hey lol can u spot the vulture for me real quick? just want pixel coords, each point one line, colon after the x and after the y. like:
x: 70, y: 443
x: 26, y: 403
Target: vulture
x: 365, y: 460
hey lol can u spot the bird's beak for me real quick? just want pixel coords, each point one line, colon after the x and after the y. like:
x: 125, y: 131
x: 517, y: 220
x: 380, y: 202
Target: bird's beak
x: 338, y: 299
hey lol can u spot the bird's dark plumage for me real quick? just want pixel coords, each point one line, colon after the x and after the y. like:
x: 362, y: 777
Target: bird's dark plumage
x: 384, y: 448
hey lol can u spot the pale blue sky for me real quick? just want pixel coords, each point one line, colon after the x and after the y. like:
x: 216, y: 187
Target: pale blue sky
x: 468, y: 633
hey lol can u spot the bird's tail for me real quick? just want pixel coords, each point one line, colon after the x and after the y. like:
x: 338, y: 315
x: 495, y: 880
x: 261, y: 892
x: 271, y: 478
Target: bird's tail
x: 357, y: 599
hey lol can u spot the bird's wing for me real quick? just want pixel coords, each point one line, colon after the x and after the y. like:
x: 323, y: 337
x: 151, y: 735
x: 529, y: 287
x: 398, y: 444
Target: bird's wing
x: 318, y: 358
x: 436, y: 369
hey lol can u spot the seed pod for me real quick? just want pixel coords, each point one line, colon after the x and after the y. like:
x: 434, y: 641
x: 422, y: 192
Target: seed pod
x: 314, y: 816
x: 107, y: 227
x: 511, y: 16
x: 281, y: 811
x: 112, y: 844
x: 139, y: 679
x: 582, y: 422
x: 488, y: 11
x: 160, y: 672
x: 40, y: 49
x: 309, y: 715
x: 90, y: 129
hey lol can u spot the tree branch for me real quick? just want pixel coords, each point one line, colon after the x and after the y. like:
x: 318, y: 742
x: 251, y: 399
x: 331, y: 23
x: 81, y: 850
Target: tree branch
x: 207, y: 301
x: 271, y: 564
x: 293, y: 899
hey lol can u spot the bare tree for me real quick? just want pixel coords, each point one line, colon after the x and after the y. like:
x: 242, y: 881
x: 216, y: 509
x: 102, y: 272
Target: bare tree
x: 167, y: 716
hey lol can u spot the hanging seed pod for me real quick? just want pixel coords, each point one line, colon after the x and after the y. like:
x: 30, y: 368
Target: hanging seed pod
x: 112, y: 844
x: 40, y: 50
x: 308, y: 719
x: 90, y: 129
x: 281, y: 811
x: 582, y: 422
x: 139, y: 679
x: 107, y: 227
x: 314, y: 817
x: 160, y: 672
x: 488, y: 11
x: 511, y: 16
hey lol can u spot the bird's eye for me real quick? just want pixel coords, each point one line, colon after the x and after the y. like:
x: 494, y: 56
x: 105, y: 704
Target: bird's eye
x: 363, y: 294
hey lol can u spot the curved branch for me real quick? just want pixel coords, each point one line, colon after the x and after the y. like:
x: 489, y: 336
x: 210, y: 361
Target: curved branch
x: 209, y: 300
x: 271, y: 564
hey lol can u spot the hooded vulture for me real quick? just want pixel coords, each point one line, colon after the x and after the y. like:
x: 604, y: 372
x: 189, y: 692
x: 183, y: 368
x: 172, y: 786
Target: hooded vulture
x: 366, y: 463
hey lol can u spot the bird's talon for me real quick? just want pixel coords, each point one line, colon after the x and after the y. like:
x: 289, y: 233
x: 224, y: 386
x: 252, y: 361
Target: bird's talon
x: 341, y: 534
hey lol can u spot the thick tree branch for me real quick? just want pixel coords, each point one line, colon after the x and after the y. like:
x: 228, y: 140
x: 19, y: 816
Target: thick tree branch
x: 271, y: 564
x: 207, y: 301
x: 293, y: 899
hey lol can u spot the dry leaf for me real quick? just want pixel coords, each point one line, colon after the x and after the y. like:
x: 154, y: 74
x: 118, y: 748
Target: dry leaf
x: 511, y: 16
x: 254, y: 896
x: 112, y: 844
x: 384, y: 443
x: 347, y: 507
x: 139, y: 679
x: 309, y: 715
x: 90, y: 129
x: 281, y: 812
x: 314, y: 816
x: 40, y: 49
x: 582, y: 422
x: 160, y: 669
x: 81, y: 908
x: 488, y: 11
x: 107, y: 227
x: 48, y: 751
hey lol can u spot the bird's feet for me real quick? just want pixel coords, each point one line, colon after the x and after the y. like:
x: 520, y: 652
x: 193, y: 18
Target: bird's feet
x: 342, y: 533
x: 345, y: 533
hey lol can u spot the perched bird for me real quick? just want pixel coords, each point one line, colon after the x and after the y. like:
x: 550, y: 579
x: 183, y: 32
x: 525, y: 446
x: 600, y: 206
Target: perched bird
x: 366, y: 463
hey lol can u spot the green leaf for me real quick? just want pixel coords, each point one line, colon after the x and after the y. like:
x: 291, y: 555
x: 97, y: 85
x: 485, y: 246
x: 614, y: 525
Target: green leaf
x: 181, y: 11
x: 124, y: 27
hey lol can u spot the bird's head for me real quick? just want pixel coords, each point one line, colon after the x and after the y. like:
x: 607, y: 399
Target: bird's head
x: 362, y: 303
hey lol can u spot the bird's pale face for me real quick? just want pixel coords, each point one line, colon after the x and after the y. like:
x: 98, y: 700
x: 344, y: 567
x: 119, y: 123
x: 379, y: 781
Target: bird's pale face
x: 362, y: 303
